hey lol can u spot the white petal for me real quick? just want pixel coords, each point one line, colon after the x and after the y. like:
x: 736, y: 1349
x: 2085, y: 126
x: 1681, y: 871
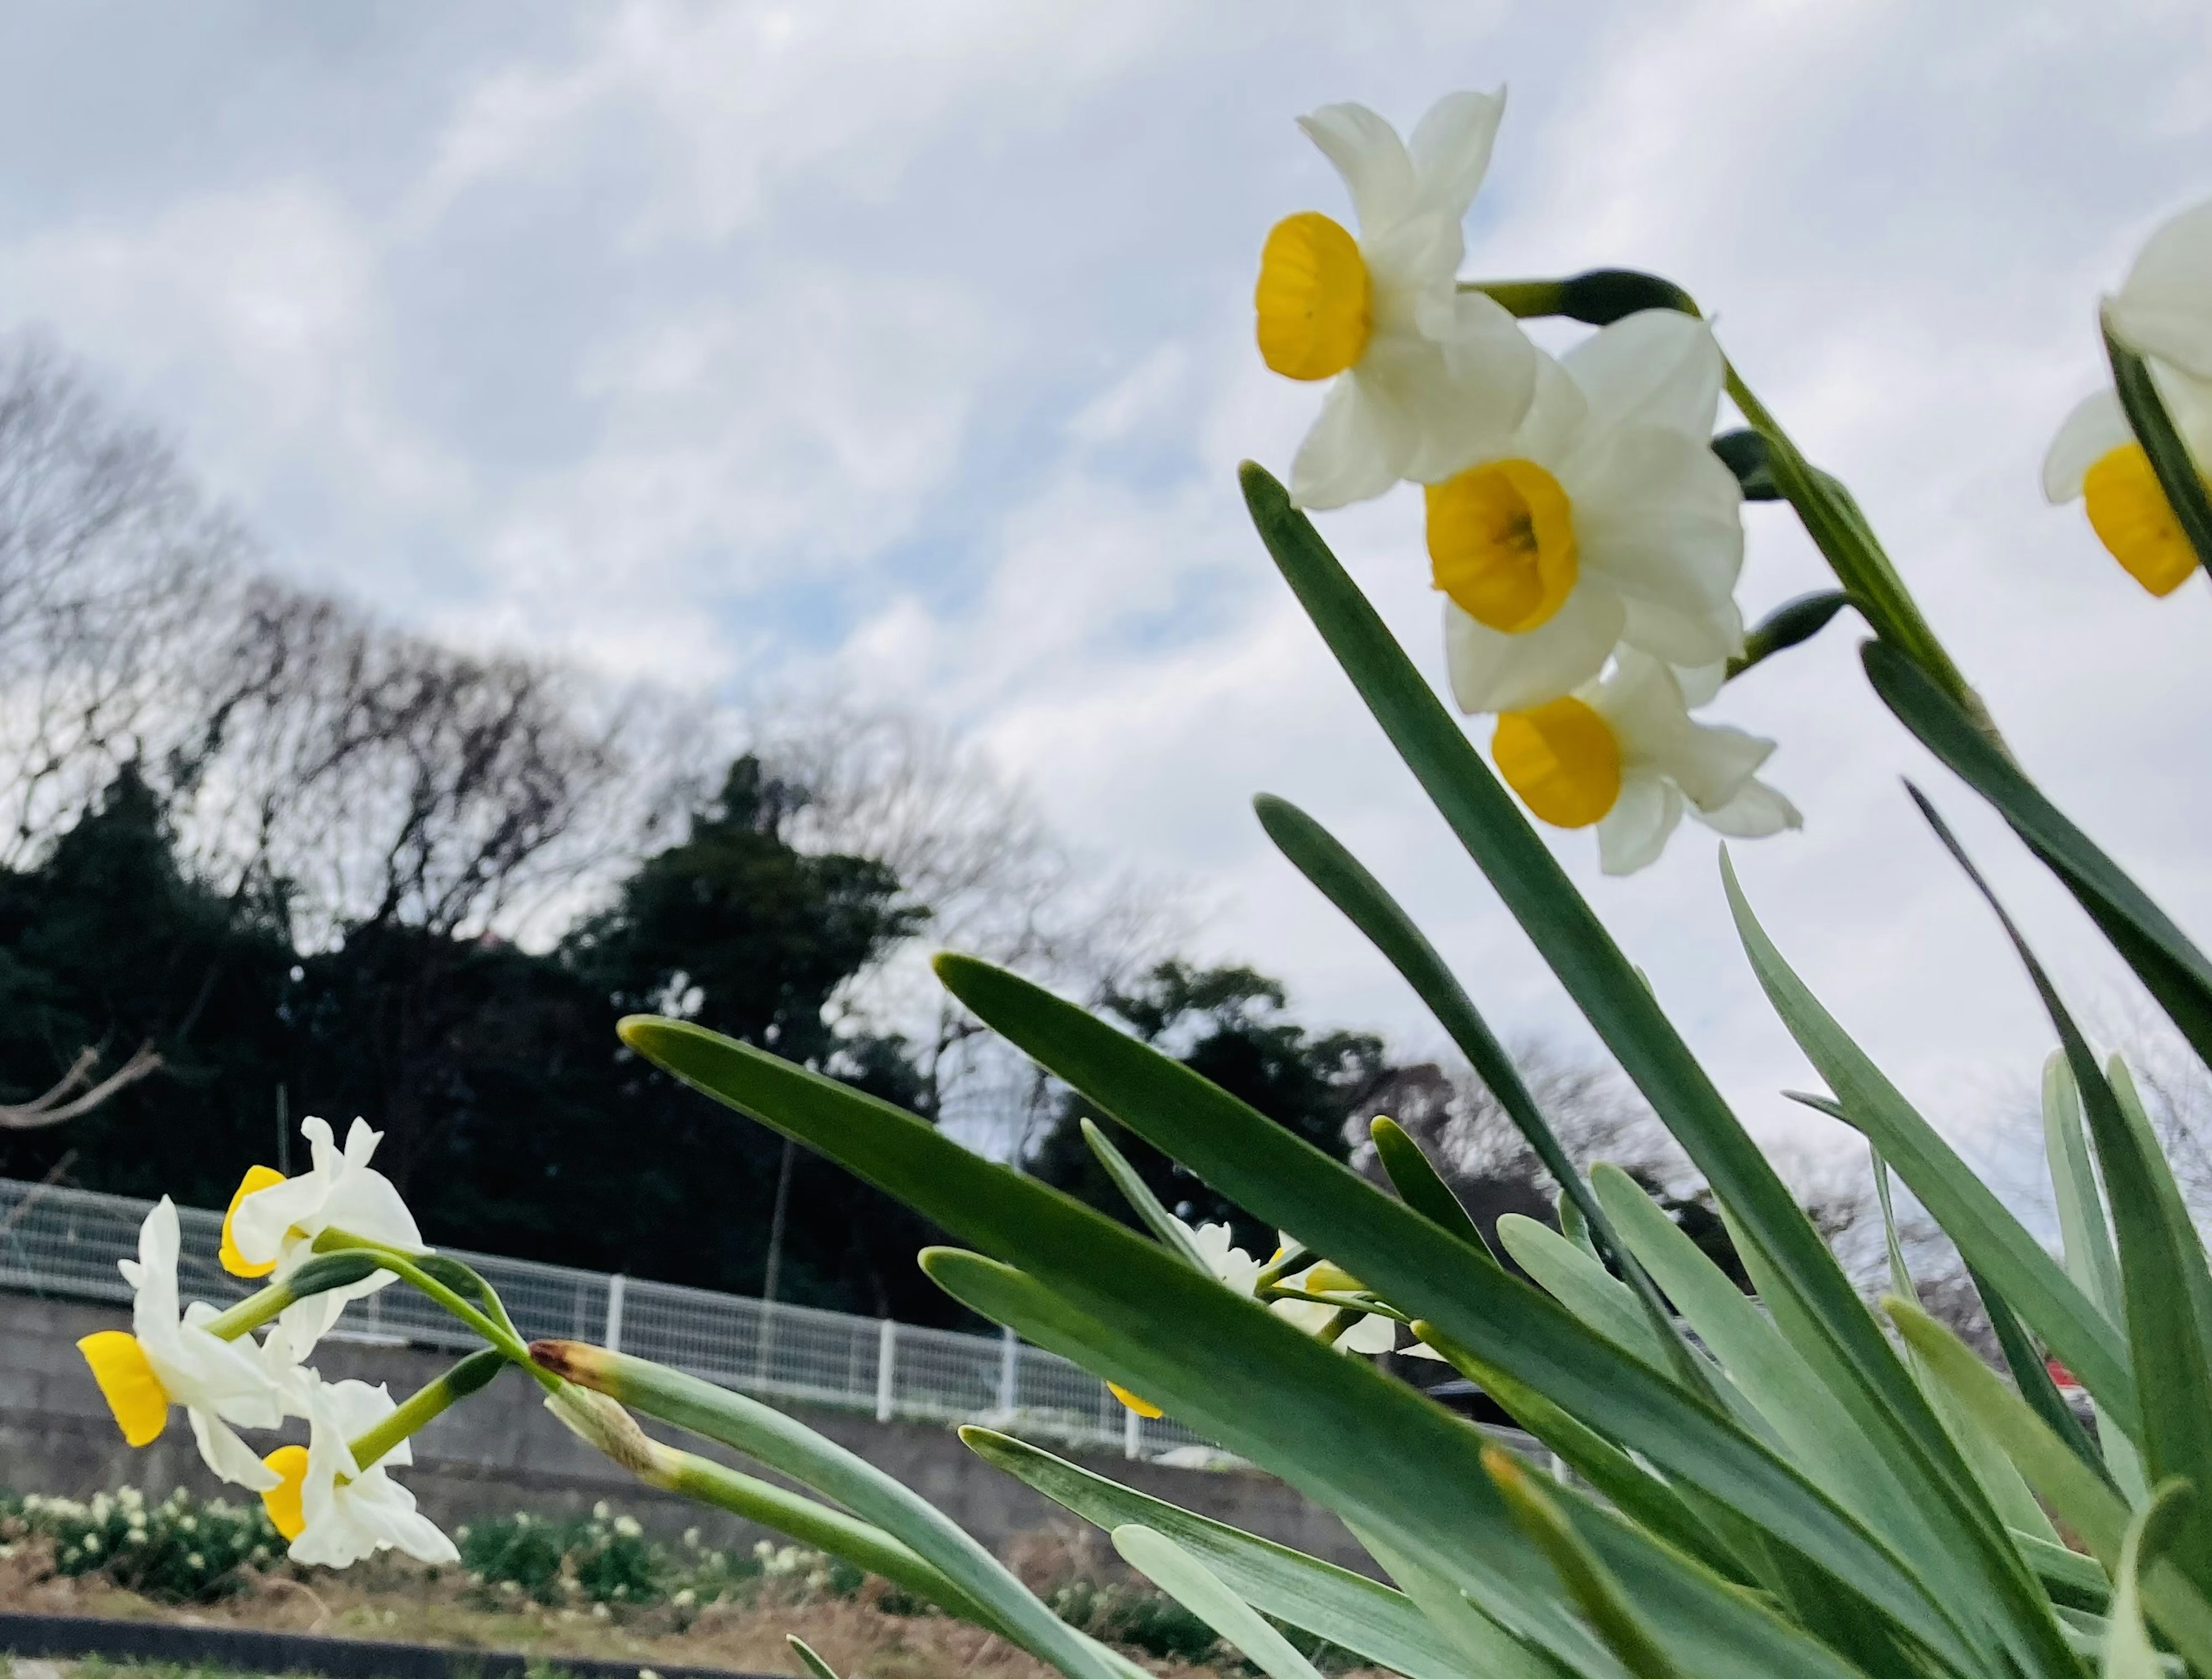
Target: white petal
x: 1468, y: 402
x: 1450, y: 150
x: 1703, y: 639
x: 230, y: 1458
x: 1635, y: 830
x: 382, y: 1507
x: 1655, y: 368
x: 361, y: 1143
x: 1713, y: 762
x: 1756, y: 811
x: 2165, y: 309
x: 1371, y: 1334
x: 259, y: 1225
x: 1558, y: 411
x: 1701, y: 683
x: 364, y: 1203
x: 159, y: 1244
x: 1491, y: 671
x: 1414, y: 267
x: 1358, y: 449
x: 1658, y: 519
x: 2095, y: 428
x: 1372, y: 160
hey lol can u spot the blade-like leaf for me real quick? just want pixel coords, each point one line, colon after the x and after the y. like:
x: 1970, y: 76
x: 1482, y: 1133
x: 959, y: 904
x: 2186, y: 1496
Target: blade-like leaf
x: 813, y: 1663
x: 1419, y: 1186
x: 1580, y: 1283
x: 1286, y: 1182
x: 2128, y: 1652
x: 1191, y: 1583
x: 2031, y: 1376
x: 1362, y: 1615
x: 2171, y: 968
x: 1992, y: 1240
x: 1975, y: 1570
x: 1171, y: 1231
x: 1734, y: 1636
x: 1486, y: 1648
x: 785, y: 1444
x: 1602, y: 1602
x: 2163, y: 1273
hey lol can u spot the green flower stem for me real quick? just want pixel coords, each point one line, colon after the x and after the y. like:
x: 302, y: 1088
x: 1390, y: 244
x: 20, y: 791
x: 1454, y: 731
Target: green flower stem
x: 1290, y: 1259
x: 404, y: 1267
x: 1344, y: 1320
x: 1366, y: 1305
x: 465, y: 1378
x: 252, y: 1312
x: 1824, y: 507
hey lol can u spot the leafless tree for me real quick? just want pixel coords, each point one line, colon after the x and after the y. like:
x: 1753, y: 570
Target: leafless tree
x: 76, y: 1093
x: 111, y: 566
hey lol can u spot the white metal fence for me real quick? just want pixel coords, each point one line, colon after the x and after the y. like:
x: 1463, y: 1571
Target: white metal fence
x: 64, y: 1243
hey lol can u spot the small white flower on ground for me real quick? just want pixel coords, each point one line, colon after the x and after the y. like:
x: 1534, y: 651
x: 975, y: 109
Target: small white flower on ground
x: 333, y: 1509
x: 171, y: 1357
x: 1423, y: 371
x: 1625, y: 755
x: 274, y: 1220
x: 1606, y: 519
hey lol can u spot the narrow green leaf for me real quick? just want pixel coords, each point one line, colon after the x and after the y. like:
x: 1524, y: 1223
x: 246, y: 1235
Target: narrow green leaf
x: 1191, y: 1583
x: 1602, y: 1602
x: 2172, y: 969
x: 1571, y: 1276
x: 2175, y: 467
x: 813, y: 1663
x: 787, y: 1445
x: 1735, y: 1636
x: 2163, y: 1274
x: 1419, y: 1186
x: 1362, y: 1615
x: 1630, y: 1022
x: 1992, y: 1239
x: 1286, y: 1181
x: 2031, y: 1376
x: 2128, y: 1652
x: 1171, y: 1231
x: 1485, y: 1648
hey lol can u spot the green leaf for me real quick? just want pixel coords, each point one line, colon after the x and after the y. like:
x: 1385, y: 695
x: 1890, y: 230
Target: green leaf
x: 2177, y: 471
x: 2128, y: 1652
x: 1628, y: 1020
x: 1327, y: 1423
x: 1485, y: 1648
x: 1990, y: 1238
x: 2172, y: 969
x: 1583, y: 1286
x: 1794, y: 1405
x: 1421, y: 1490
x: 1362, y: 1615
x: 813, y: 1663
x: 1602, y: 1602
x: 1286, y: 1182
x: 2008, y: 1494
x: 1170, y: 1229
x: 1419, y: 1186
x: 787, y: 1445
x: 1191, y: 1583
x: 2163, y: 1272
x: 2031, y: 1376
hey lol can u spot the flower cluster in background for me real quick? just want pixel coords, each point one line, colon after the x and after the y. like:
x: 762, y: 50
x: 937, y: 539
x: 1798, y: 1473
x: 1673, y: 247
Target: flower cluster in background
x: 180, y: 1549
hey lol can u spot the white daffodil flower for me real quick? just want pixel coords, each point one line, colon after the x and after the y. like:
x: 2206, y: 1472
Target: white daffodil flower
x: 1423, y: 371
x: 274, y: 1220
x: 1607, y: 520
x: 1231, y: 1266
x: 1624, y: 754
x: 169, y: 1358
x: 2163, y: 313
x: 333, y: 1509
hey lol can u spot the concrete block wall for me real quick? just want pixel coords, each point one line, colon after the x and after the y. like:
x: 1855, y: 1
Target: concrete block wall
x: 501, y: 1451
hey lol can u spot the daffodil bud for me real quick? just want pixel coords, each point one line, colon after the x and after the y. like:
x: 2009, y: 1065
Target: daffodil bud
x: 1792, y: 622
x: 1744, y: 454
x: 604, y: 1425
x: 1604, y: 295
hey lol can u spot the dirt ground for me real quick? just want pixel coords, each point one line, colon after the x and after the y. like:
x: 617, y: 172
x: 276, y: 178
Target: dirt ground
x: 402, y: 1602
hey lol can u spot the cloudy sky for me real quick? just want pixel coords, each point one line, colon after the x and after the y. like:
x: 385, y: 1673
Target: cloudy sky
x: 908, y: 350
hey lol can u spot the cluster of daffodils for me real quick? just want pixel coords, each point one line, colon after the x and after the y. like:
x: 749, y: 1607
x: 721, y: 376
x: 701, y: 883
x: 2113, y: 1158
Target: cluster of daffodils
x: 1585, y: 537
x: 1321, y: 1299
x: 2164, y: 314
x: 320, y: 1238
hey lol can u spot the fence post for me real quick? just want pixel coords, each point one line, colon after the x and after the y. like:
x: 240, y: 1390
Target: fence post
x: 1133, y: 1434
x: 886, y: 1362
x: 1010, y: 1353
x: 612, y: 1339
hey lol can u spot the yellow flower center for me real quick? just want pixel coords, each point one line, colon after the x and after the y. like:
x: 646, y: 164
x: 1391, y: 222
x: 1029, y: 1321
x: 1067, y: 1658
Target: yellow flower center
x: 1316, y: 301
x: 1502, y: 543
x: 256, y: 1179
x: 1143, y: 1407
x: 2132, y: 518
x: 127, y: 1382
x: 1562, y: 759
x: 283, y: 1501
